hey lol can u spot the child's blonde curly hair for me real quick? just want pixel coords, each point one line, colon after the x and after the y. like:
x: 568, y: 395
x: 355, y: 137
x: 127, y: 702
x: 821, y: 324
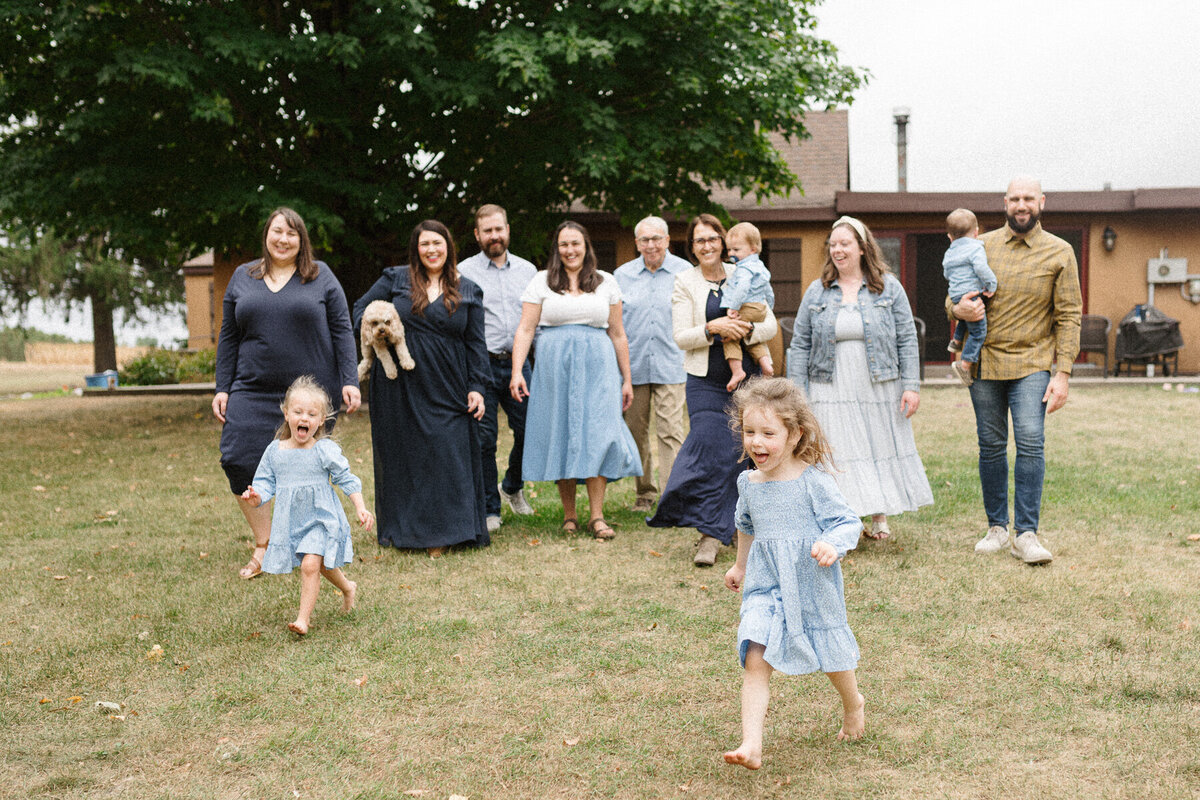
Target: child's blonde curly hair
x: 305, y: 383
x: 785, y: 400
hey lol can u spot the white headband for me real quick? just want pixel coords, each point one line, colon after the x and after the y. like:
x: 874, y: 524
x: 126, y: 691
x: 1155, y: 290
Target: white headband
x: 853, y: 223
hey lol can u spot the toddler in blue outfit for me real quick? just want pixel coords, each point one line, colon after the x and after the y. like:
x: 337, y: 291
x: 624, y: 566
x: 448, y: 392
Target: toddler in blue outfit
x: 966, y: 269
x: 308, y: 526
x: 747, y: 295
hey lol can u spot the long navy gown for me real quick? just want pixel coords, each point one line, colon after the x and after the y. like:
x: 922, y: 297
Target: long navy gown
x: 428, y: 472
x: 702, y: 490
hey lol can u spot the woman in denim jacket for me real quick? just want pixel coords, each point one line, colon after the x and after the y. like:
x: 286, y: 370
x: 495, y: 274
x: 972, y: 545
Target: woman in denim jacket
x: 854, y: 352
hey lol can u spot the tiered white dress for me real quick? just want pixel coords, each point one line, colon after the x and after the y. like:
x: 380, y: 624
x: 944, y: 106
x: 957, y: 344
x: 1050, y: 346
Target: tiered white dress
x: 874, y: 454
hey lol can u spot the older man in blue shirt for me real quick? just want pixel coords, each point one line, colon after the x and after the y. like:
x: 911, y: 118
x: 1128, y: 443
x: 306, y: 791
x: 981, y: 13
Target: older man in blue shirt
x: 654, y: 360
x: 502, y: 276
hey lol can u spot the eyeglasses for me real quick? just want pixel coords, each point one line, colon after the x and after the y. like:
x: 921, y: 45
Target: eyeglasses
x: 649, y: 239
x: 706, y: 241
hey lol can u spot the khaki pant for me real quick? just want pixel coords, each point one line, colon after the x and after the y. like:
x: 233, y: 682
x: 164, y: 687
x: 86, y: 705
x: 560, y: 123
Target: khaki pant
x: 667, y: 400
x: 751, y: 312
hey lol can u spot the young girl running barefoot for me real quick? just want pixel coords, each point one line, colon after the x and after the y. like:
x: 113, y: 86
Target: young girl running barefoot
x: 308, y: 526
x: 793, y: 528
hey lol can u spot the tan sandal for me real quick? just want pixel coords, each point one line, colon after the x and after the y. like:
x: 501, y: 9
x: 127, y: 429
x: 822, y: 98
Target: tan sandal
x: 252, y: 569
x: 569, y: 525
x: 601, y: 530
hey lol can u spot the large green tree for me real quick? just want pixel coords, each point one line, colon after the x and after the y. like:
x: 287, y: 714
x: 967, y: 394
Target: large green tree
x: 168, y: 126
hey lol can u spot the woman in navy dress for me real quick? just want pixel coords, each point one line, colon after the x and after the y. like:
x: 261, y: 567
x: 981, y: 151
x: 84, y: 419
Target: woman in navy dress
x: 425, y: 422
x: 283, y: 316
x: 702, y: 492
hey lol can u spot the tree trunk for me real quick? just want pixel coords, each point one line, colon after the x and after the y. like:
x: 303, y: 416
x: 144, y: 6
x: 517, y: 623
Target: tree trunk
x: 104, y: 347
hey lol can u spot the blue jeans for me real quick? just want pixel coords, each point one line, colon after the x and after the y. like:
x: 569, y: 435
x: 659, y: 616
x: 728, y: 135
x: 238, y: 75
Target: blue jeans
x: 973, y: 333
x: 994, y: 401
x: 496, y: 396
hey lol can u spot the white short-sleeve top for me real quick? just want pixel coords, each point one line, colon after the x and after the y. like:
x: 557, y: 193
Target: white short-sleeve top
x: 589, y: 308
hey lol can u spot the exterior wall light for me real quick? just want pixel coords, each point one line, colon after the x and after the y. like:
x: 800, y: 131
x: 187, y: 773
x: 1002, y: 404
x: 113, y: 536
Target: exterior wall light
x: 1109, y: 237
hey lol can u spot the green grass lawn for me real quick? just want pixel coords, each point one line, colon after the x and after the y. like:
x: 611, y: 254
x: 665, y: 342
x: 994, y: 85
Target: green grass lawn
x: 549, y: 666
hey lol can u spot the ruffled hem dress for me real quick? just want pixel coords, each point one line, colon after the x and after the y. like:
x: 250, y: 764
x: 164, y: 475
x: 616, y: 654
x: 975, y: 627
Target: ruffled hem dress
x: 790, y: 605
x: 874, y: 453
x: 308, y: 516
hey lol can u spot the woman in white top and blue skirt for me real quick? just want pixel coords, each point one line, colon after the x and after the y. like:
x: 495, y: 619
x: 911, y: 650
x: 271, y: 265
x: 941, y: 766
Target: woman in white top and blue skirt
x: 574, y: 428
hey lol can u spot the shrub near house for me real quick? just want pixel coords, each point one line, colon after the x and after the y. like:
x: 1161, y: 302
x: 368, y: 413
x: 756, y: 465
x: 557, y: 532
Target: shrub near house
x: 160, y: 367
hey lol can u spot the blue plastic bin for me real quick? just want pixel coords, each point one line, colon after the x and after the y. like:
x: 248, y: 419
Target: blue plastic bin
x: 101, y: 380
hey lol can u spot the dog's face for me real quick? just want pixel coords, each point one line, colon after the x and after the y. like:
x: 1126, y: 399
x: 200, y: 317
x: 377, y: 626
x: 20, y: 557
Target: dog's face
x: 381, y: 321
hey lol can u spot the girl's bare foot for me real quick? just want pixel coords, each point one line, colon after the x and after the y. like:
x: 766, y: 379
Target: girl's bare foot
x: 745, y: 756
x: 348, y: 597
x: 854, y: 721
x: 739, y: 375
x: 298, y: 627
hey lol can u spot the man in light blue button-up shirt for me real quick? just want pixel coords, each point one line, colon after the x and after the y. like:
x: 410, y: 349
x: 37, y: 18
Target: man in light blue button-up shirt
x: 502, y: 276
x: 655, y: 361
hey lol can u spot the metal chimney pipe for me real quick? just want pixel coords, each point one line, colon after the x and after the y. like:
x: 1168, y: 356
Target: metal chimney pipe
x: 900, y: 114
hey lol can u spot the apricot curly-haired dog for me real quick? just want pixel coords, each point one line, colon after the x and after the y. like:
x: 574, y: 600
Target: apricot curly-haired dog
x: 381, y: 326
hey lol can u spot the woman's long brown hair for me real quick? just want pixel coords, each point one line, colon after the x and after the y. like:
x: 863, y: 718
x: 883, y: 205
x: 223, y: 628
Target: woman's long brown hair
x: 874, y: 267
x: 556, y: 276
x: 420, y: 278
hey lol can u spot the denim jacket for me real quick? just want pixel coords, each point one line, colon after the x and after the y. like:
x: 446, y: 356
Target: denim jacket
x: 891, y: 336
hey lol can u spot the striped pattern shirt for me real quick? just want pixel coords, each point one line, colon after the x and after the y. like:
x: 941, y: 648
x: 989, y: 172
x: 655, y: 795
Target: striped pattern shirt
x: 1033, y: 319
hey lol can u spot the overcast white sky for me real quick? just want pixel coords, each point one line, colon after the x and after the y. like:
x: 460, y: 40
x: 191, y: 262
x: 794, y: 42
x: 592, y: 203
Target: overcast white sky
x: 1077, y: 92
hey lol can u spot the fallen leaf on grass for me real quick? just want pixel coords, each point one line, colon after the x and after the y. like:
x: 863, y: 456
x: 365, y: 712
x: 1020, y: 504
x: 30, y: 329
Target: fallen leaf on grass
x: 656, y: 554
x: 360, y: 681
x: 653, y: 625
x: 223, y: 740
x: 457, y: 658
x: 39, y: 488
x: 74, y: 699
x: 120, y: 717
x: 416, y: 792
x: 457, y: 797
x: 254, y: 635
x: 1195, y: 537
x: 704, y: 587
x: 44, y: 700
x: 571, y: 742
x: 60, y: 577
x: 1186, y: 625
x: 534, y: 542
x: 155, y: 653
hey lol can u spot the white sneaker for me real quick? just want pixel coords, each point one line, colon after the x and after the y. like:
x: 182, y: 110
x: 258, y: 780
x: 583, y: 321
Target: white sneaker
x: 994, y: 542
x: 493, y: 523
x: 516, y: 501
x: 955, y: 346
x: 1026, y: 547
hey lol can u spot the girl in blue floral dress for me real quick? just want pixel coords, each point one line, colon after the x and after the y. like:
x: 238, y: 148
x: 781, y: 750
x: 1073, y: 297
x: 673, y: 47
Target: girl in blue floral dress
x: 793, y: 528
x: 308, y: 526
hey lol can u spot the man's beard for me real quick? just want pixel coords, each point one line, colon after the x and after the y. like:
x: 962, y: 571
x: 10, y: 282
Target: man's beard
x: 495, y: 247
x: 1034, y: 218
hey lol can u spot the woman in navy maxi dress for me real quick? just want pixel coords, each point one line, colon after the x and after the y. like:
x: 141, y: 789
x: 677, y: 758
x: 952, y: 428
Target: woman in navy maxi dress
x: 701, y: 492
x: 428, y: 473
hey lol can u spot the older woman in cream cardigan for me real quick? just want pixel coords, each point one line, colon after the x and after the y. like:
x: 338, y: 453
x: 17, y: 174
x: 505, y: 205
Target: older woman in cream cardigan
x: 702, y: 490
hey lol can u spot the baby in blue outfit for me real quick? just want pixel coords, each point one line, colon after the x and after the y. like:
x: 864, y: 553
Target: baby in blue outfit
x: 747, y: 295
x: 966, y: 269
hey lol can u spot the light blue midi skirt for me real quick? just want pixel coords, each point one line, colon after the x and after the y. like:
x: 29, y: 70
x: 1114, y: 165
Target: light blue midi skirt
x: 574, y: 427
